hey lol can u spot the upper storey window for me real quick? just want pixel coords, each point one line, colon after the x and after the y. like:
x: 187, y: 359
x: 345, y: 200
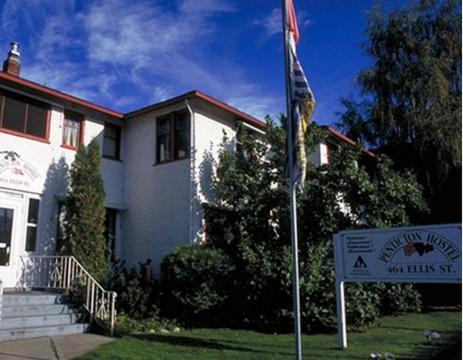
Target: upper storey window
x: 22, y: 115
x: 173, y: 137
x: 72, y: 129
x: 112, y: 141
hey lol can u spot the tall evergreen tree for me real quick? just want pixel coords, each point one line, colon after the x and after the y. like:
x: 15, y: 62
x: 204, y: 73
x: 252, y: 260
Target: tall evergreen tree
x: 411, y: 103
x: 85, y: 212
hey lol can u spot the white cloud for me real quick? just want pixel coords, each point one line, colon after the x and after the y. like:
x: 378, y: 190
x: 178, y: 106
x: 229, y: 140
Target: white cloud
x: 272, y: 23
x: 255, y: 105
x: 125, y: 54
x: 162, y: 93
x: 205, y: 6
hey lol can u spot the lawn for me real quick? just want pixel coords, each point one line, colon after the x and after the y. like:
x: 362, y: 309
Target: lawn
x: 401, y: 335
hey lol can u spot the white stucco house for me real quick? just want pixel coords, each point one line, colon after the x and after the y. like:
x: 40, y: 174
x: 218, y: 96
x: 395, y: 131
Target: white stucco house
x: 157, y: 164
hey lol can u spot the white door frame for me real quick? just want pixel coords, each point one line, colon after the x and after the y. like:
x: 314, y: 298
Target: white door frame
x: 10, y: 274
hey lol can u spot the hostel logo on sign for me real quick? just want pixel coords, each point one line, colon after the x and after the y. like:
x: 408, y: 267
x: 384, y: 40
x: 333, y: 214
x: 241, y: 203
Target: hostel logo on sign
x: 14, y: 171
x: 420, y: 253
x: 360, y: 267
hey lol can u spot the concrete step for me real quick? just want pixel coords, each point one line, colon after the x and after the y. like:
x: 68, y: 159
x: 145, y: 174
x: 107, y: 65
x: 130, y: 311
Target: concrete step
x: 31, y: 332
x: 36, y: 310
x: 34, y: 321
x: 33, y: 298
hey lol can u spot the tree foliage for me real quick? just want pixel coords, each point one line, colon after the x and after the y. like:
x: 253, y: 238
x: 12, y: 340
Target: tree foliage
x: 196, y: 281
x: 250, y: 223
x: 85, y: 212
x: 410, y: 107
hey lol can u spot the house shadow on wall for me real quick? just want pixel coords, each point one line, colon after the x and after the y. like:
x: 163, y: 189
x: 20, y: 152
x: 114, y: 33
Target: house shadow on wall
x: 207, y: 169
x: 202, y: 184
x: 54, y: 193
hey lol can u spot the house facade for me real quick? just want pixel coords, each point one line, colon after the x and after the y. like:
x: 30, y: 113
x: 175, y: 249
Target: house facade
x: 157, y: 164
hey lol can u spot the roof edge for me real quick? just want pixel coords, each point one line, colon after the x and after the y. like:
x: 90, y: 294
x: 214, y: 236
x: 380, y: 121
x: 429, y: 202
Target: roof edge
x: 207, y: 98
x: 347, y: 139
x: 60, y: 95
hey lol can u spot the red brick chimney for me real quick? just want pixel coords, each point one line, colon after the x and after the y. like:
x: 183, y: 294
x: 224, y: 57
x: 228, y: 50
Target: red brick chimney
x: 12, y: 64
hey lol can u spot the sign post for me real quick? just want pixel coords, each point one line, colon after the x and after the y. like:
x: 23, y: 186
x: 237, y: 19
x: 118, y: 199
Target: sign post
x: 417, y: 254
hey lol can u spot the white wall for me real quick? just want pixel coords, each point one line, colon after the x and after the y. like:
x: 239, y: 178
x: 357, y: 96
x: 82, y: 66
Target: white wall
x: 156, y: 195
x: 209, y: 127
x: 51, y: 162
x: 320, y: 155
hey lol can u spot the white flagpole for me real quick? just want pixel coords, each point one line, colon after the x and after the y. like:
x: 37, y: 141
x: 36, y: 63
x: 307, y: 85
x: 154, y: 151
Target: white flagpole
x: 292, y: 189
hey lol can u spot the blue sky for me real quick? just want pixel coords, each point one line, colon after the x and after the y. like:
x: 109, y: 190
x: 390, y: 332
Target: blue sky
x: 126, y: 54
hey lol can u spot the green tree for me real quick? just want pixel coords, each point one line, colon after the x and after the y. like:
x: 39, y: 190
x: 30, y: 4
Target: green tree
x: 85, y: 212
x: 250, y: 223
x: 410, y: 107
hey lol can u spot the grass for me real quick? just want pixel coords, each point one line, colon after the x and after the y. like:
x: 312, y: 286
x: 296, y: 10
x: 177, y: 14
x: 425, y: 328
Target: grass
x: 402, y: 335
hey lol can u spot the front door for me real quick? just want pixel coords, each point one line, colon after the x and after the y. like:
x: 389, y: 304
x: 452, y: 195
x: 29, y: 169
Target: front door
x: 10, y: 236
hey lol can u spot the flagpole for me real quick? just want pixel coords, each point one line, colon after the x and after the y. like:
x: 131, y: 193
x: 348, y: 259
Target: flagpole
x: 292, y: 191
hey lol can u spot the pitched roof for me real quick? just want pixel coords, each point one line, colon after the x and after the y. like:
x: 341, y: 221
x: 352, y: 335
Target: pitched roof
x: 58, y: 94
x: 207, y: 98
x: 116, y: 114
x: 339, y: 135
x: 89, y: 105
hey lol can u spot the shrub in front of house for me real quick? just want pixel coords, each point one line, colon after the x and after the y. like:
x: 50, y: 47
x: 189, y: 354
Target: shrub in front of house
x: 196, y: 282
x: 85, y: 213
x: 138, y: 292
x: 127, y: 325
x: 249, y: 221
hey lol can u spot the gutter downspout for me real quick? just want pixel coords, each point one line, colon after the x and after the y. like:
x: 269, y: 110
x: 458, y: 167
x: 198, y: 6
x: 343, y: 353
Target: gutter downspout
x: 193, y: 190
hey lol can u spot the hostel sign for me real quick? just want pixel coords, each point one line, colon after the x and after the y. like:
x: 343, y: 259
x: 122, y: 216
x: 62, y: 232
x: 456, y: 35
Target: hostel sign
x: 418, y: 254
x: 16, y: 172
x: 428, y: 254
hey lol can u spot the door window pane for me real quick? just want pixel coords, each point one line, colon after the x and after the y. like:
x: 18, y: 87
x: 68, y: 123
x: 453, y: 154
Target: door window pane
x: 31, y: 238
x: 32, y: 220
x: 6, y: 229
x: 14, y: 114
x: 33, y: 214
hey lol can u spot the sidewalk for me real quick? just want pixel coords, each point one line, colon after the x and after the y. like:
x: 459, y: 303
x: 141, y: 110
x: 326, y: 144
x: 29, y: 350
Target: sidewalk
x: 51, y: 348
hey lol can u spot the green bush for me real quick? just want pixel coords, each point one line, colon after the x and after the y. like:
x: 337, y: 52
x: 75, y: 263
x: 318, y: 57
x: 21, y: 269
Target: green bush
x: 317, y: 288
x: 362, y: 304
x: 126, y: 325
x: 138, y: 292
x: 249, y: 221
x: 399, y: 298
x: 196, y: 280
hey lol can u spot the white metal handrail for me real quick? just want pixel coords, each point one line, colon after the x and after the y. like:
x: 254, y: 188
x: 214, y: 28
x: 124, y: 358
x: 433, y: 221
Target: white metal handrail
x: 64, y: 272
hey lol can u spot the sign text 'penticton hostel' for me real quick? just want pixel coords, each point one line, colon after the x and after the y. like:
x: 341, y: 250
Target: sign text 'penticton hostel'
x: 413, y: 254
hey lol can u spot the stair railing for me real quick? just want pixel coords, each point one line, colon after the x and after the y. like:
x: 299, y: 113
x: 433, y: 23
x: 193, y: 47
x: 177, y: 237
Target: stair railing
x: 65, y: 272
